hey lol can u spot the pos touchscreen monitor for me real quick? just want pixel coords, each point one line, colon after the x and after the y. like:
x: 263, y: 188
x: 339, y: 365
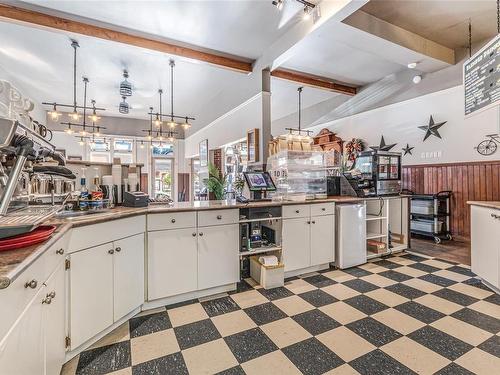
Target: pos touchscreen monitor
x: 259, y: 181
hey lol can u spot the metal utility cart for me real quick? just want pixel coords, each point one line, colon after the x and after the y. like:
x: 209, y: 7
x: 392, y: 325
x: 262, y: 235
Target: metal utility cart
x: 430, y: 215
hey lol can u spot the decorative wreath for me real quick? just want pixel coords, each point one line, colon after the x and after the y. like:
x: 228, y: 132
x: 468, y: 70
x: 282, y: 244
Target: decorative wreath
x: 353, y: 148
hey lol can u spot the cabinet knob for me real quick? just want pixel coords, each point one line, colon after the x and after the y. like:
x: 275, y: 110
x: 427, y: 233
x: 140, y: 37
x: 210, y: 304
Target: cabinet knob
x: 31, y: 284
x: 313, y: 222
x: 52, y: 294
x: 201, y: 234
x: 173, y: 220
x: 194, y: 234
x: 118, y: 249
x: 219, y: 217
x: 308, y: 222
x: 297, y: 211
x: 494, y: 216
x: 60, y: 251
x: 323, y: 209
x: 111, y: 251
x: 47, y: 300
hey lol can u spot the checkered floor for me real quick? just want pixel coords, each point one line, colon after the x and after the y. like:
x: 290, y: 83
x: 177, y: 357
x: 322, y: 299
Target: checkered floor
x: 402, y: 315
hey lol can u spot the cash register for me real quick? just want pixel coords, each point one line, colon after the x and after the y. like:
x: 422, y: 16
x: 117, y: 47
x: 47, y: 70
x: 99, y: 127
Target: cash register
x: 135, y: 199
x: 259, y: 183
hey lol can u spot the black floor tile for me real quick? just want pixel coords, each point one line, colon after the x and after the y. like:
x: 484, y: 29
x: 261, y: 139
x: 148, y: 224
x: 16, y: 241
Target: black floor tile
x: 495, y: 298
x: 220, y: 306
x: 424, y: 267
x: 249, y: 344
x: 241, y: 286
x: 388, y: 264
x: 453, y: 369
x: 457, y: 297
x: 461, y: 270
x: 477, y: 319
x: 357, y: 272
x: 373, y: 331
x: 360, y: 285
x: 172, y: 364
x: 291, y: 278
x: 473, y: 281
x: 318, y: 298
x: 319, y: 281
x: 492, y: 346
x: 420, y: 312
x: 415, y: 258
x: 312, y: 357
x: 265, y: 313
x: 236, y: 370
x: 196, y: 333
x: 147, y: 324
x: 447, y: 261
x: 405, y: 291
x: 366, y: 304
x: 379, y: 363
x: 438, y: 280
x: 315, y: 322
x: 440, y: 342
x: 396, y: 276
x: 275, y: 293
x: 104, y: 359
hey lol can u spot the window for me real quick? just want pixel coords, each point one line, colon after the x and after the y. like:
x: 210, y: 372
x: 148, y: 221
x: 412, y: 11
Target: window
x: 163, y: 150
x: 123, y: 149
x: 100, y: 150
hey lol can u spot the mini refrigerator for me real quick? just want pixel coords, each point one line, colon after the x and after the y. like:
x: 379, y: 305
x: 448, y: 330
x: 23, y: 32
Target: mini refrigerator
x: 350, y: 249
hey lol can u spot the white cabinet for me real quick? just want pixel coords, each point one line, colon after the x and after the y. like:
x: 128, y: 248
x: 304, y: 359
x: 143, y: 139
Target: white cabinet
x: 91, y: 292
x: 296, y: 243
x: 218, y: 255
x: 172, y: 262
x: 485, y: 244
x: 322, y: 239
x: 128, y: 271
x: 106, y: 283
x: 308, y: 235
x: 54, y: 315
x: 35, y: 344
x: 22, y: 349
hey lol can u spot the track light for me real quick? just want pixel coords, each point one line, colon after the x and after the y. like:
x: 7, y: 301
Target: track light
x: 412, y: 65
x: 278, y: 4
x: 186, y: 125
x: 417, y: 79
x: 307, y: 13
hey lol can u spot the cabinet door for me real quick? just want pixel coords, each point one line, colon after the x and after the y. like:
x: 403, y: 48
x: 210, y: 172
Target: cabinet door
x: 91, y: 293
x: 172, y: 262
x: 218, y: 262
x: 55, y: 333
x: 296, y: 243
x: 128, y: 270
x: 322, y: 239
x: 22, y: 349
x: 485, y: 244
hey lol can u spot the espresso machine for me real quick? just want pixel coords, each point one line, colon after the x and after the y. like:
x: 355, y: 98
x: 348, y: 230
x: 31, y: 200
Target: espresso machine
x: 23, y: 154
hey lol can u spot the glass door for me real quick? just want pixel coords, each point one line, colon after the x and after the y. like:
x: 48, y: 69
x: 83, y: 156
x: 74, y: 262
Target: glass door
x: 163, y: 178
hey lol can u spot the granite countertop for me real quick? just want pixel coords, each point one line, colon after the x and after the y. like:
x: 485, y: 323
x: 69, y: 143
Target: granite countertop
x: 12, y: 263
x: 489, y: 204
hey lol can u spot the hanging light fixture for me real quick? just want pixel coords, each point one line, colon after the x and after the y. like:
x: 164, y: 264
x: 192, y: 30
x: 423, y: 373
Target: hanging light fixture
x: 172, y: 124
x: 74, y: 115
x: 125, y: 86
x: 158, y: 120
x: 186, y: 125
x: 298, y: 133
x: 68, y: 130
x: 94, y: 116
x: 123, y: 108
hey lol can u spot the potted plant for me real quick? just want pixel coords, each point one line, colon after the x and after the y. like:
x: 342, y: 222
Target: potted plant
x: 216, y: 182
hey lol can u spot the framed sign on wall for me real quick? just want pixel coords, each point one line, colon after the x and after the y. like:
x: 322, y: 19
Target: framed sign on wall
x: 203, y: 151
x: 253, y: 145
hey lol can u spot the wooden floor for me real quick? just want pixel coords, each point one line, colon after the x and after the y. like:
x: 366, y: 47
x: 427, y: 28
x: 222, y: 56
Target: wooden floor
x: 456, y: 250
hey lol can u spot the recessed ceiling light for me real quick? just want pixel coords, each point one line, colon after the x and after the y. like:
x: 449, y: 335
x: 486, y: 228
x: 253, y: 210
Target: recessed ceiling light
x: 412, y: 65
x: 417, y: 79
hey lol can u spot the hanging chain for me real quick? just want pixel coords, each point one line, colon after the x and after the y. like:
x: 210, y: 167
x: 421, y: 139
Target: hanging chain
x: 470, y: 38
x: 300, y: 104
x: 498, y: 16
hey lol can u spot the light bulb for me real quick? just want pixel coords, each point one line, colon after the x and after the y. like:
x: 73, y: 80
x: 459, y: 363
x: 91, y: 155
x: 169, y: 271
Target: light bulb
x: 80, y: 142
x: 149, y: 137
x: 97, y: 133
x: 83, y: 132
x: 74, y: 115
x: 54, y: 115
x: 172, y: 124
x: 412, y: 65
x: 171, y: 139
x: 307, y: 13
x: 157, y: 121
x: 94, y: 117
x: 142, y: 145
x: 160, y: 138
x: 151, y: 147
x: 417, y: 79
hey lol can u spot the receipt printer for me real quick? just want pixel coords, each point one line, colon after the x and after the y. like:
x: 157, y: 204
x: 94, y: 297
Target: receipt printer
x: 135, y: 199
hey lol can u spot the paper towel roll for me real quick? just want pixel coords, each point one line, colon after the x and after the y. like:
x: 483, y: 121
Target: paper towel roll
x: 269, y: 260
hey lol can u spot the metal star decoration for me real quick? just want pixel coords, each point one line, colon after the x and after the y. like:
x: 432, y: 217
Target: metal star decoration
x: 383, y: 146
x: 432, y: 128
x: 407, y: 150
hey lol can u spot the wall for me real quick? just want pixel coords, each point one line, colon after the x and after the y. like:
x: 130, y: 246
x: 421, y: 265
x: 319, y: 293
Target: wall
x: 469, y: 181
x: 399, y: 124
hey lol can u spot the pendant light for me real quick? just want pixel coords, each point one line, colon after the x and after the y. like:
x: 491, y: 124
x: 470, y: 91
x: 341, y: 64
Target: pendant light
x: 297, y: 133
x: 172, y: 124
x: 123, y: 108
x: 158, y: 120
x: 125, y: 86
x: 93, y: 117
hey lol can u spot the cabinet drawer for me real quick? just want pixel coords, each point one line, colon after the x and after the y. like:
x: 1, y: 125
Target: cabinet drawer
x: 318, y: 209
x: 173, y: 220
x: 296, y: 210
x: 217, y: 217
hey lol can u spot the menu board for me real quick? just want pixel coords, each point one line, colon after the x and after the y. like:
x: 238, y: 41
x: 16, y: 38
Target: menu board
x: 482, y: 78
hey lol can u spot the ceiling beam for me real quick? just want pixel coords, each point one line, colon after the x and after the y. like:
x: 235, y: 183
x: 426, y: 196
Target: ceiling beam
x: 314, y: 81
x: 59, y: 23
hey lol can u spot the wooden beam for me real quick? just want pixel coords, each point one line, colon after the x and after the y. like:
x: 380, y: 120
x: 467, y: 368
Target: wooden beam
x: 313, y: 81
x: 59, y: 23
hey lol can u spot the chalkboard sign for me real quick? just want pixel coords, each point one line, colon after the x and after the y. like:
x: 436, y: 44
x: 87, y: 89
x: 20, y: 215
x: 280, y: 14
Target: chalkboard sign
x: 482, y: 78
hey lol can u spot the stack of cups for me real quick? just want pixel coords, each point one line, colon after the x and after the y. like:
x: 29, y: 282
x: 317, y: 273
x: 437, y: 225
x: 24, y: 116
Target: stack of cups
x: 116, y: 171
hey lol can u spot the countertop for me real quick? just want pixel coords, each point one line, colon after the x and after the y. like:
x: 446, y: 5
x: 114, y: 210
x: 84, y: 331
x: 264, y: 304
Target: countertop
x: 12, y: 263
x: 489, y: 204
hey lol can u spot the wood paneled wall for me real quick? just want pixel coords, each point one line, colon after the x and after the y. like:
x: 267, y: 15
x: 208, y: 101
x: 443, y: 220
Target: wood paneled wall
x: 468, y: 181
